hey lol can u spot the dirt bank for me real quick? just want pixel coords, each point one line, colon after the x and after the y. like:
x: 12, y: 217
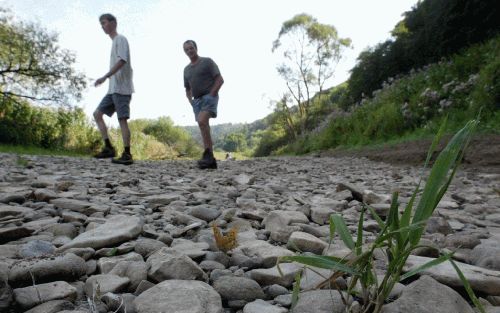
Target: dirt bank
x: 483, y: 153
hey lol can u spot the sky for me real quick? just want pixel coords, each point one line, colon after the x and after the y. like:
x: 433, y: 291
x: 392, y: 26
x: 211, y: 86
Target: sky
x: 236, y: 34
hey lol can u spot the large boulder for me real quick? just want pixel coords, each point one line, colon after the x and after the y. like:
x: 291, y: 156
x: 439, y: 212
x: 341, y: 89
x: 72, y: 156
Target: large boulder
x: 116, y: 230
x: 428, y: 296
x: 179, y: 296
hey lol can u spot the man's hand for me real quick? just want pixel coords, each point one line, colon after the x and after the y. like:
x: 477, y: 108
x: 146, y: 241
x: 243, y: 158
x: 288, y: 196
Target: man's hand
x: 100, y: 81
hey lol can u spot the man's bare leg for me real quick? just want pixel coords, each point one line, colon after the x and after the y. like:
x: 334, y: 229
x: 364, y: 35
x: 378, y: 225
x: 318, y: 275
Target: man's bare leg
x: 203, y: 123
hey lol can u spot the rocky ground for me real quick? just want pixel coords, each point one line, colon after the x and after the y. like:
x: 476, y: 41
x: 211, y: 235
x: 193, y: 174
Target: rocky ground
x: 84, y: 235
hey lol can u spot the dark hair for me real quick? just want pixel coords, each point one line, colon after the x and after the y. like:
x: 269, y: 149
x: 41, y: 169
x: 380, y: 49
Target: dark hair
x: 108, y: 16
x: 191, y: 42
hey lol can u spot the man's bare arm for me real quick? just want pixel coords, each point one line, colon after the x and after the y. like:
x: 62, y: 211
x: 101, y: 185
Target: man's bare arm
x: 218, y: 83
x: 111, y: 72
x: 189, y: 95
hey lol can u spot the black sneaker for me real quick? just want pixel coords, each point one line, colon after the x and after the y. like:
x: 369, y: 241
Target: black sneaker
x: 105, y: 153
x: 207, y: 160
x: 125, y: 159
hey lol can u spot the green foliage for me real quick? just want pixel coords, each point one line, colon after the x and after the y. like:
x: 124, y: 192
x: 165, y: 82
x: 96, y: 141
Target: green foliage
x: 399, y: 235
x: 269, y: 140
x: 235, y: 142
x: 46, y: 127
x: 310, y: 51
x: 33, y: 66
x: 430, y: 31
x: 414, y: 105
x: 164, y: 130
x: 157, y: 140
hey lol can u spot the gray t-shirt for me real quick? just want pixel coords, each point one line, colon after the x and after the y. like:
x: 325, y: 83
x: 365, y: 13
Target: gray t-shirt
x: 200, y: 77
x: 121, y: 81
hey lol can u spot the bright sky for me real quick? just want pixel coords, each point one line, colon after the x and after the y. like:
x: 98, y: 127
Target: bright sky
x: 236, y: 34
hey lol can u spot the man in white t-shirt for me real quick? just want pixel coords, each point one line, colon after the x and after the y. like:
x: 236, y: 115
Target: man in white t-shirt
x: 119, y: 93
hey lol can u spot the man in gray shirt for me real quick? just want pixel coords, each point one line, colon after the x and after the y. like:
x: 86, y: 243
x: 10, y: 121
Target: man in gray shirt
x: 119, y: 93
x: 202, y: 80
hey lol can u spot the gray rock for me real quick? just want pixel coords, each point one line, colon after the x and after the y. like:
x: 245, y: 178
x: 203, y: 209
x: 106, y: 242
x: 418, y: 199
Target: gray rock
x: 9, y: 251
x: 68, y: 267
x: 305, y: 242
x: 320, y: 301
x: 487, y: 256
x: 193, y: 250
x: 44, y: 195
x: 136, y: 271
x: 263, y: 250
x: 428, y: 296
x: 166, y: 239
x: 106, y: 264
x: 275, y: 290
x: 53, y: 306
x: 482, y: 280
x: 5, y: 290
x: 278, y: 219
x: 63, y: 229
x: 238, y: 288
x: 15, y: 211
x: 179, y: 296
x: 70, y: 217
x: 29, y: 297
x: 283, y: 234
x: 84, y: 253
x: 271, y: 276
x: 219, y: 257
x: 120, y: 303
x: 14, y: 233
x: 466, y: 241
x: 438, y: 225
x: 36, y: 248
x: 205, y: 213
x: 146, y: 246
x: 143, y: 286
x: 79, y: 206
x: 211, y: 265
x: 162, y: 199
x: 116, y: 230
x: 313, y: 276
x: 261, y: 306
x: 105, y: 283
x: 170, y: 264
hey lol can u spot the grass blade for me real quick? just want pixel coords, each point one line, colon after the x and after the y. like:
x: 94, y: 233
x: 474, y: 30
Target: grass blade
x: 359, y: 239
x: 296, y: 290
x: 468, y: 287
x: 377, y: 218
x: 425, y: 266
x: 438, y: 177
x: 321, y: 261
x: 343, y: 231
x: 332, y: 230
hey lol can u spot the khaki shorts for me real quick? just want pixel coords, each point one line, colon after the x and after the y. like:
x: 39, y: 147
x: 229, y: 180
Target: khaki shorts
x: 116, y: 102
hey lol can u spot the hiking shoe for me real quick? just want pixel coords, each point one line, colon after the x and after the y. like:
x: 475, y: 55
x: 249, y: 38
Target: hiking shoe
x: 207, y: 160
x: 105, y: 153
x: 125, y: 159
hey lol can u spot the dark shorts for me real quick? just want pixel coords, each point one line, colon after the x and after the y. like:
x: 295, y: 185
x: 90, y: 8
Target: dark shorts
x: 205, y: 103
x: 118, y: 103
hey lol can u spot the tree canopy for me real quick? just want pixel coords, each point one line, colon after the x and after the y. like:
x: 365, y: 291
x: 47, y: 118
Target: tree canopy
x: 34, y: 67
x: 311, y: 51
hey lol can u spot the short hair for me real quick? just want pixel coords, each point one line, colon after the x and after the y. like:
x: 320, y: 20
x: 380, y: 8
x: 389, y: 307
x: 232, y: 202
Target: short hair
x: 191, y: 42
x: 108, y: 16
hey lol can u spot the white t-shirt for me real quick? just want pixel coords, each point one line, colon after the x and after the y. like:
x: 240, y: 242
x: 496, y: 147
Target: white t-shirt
x: 121, y: 81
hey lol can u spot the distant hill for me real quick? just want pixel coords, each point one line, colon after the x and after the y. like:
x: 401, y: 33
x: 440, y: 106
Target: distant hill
x: 220, y: 131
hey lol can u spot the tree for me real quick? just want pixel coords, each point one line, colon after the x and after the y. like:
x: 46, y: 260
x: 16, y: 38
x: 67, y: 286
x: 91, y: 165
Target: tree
x: 34, y: 67
x: 311, y: 51
x: 235, y: 142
